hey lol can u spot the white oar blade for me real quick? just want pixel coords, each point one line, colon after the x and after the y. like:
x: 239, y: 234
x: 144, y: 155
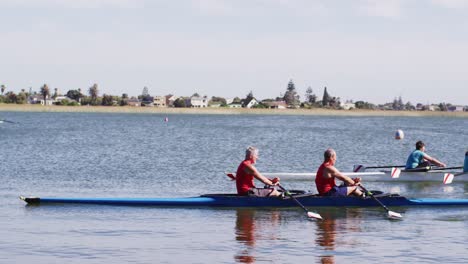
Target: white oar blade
x: 314, y: 215
x: 395, y: 173
x: 394, y: 215
x: 448, y: 178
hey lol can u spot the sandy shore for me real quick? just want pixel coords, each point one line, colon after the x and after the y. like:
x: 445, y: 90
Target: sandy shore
x: 221, y: 111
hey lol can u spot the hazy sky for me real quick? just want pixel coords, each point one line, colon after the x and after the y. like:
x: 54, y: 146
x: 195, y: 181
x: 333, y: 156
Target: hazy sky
x: 372, y: 50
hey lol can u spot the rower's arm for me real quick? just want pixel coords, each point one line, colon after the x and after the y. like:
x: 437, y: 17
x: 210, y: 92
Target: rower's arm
x: 251, y: 169
x: 347, y: 180
x: 433, y: 160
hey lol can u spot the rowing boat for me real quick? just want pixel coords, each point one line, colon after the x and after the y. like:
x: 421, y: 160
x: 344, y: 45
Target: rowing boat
x: 424, y: 176
x: 378, y: 176
x: 233, y: 200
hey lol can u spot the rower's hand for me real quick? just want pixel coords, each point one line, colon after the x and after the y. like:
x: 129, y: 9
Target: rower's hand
x: 275, y: 181
x: 357, y: 181
x: 443, y: 165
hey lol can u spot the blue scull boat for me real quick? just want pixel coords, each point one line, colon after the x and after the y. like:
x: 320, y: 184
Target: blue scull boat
x: 232, y: 200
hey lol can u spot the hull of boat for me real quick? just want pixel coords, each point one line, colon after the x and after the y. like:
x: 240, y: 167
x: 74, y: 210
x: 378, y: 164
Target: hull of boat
x: 380, y: 176
x: 222, y: 200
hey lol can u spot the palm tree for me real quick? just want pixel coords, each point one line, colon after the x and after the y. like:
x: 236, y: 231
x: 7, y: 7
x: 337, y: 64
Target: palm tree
x: 45, y: 93
x: 93, y: 92
x: 3, y: 88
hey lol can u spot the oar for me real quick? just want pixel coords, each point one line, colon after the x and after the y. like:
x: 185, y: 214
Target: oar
x: 448, y: 177
x: 8, y: 121
x: 358, y: 168
x: 390, y: 214
x: 446, y: 168
x: 313, y: 174
x: 309, y: 214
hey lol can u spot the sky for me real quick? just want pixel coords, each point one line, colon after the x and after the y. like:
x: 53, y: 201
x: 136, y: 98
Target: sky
x: 370, y: 50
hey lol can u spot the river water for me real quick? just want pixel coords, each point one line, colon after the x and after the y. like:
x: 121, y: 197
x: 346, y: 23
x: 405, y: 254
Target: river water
x: 141, y: 155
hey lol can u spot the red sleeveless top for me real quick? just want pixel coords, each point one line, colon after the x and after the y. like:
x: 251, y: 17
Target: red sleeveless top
x: 244, y: 180
x: 323, y: 184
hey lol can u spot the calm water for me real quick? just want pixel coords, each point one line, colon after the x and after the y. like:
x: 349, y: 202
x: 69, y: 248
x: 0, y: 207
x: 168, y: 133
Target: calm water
x: 139, y: 155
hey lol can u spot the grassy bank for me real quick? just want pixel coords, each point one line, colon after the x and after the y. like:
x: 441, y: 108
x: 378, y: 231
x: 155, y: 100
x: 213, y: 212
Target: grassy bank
x: 221, y: 111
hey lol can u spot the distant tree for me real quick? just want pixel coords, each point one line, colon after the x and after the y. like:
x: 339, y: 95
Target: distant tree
x: 145, y: 92
x: 326, y: 98
x: 107, y: 100
x: 45, y: 93
x: 443, y: 107
x: 310, y: 97
x: 364, y: 105
x: 290, y: 96
x: 10, y: 98
x: 334, y: 102
x: 218, y: 100
x: 398, y: 104
x: 55, y: 93
x: 180, y: 102
x: 93, y: 92
x: 248, y: 98
x: 145, y: 96
x: 236, y: 100
x: 21, y: 98
x: 2, y: 88
x: 74, y: 94
x: 124, y: 100
x: 409, y: 106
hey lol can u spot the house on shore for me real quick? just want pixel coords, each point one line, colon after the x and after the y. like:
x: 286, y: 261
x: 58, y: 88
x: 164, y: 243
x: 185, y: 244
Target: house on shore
x: 275, y: 104
x: 159, y: 101
x: 197, y: 102
x: 253, y: 102
x: 39, y: 99
x: 133, y: 102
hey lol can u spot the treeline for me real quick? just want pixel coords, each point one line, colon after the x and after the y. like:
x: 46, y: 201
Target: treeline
x: 290, y: 99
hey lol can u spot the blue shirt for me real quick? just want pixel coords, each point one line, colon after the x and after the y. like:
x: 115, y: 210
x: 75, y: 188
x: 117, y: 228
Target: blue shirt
x: 415, y: 158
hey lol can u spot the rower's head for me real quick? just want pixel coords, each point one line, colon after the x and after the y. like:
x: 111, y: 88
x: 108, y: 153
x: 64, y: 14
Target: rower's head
x: 251, y: 154
x: 330, y: 155
x: 420, y: 145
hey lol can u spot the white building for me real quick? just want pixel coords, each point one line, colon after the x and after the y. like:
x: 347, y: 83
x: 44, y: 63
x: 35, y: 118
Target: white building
x: 348, y: 106
x: 234, y: 105
x: 198, y: 102
x: 252, y: 103
x: 159, y: 101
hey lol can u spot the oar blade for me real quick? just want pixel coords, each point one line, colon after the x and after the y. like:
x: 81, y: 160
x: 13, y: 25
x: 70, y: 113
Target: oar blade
x: 231, y: 176
x: 314, y: 215
x: 394, y: 215
x: 395, y: 173
x: 448, y: 178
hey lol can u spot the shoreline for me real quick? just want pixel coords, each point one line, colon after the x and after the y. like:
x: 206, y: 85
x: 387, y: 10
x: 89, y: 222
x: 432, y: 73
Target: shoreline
x: 223, y: 111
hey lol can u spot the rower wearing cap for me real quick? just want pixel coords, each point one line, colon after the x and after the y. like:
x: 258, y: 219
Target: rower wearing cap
x: 419, y: 159
x: 246, y: 172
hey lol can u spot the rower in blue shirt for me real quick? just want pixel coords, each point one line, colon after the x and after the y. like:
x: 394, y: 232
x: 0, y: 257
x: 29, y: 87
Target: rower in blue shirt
x: 419, y: 159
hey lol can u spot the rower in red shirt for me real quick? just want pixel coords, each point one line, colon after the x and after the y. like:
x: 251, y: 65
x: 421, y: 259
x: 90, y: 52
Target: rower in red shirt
x: 246, y: 172
x: 325, y: 179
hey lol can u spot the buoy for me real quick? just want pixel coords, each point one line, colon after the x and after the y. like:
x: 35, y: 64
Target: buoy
x: 166, y: 119
x: 399, y: 134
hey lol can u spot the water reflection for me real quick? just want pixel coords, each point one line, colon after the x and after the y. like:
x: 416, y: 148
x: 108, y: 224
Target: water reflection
x: 252, y: 225
x: 336, y: 221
